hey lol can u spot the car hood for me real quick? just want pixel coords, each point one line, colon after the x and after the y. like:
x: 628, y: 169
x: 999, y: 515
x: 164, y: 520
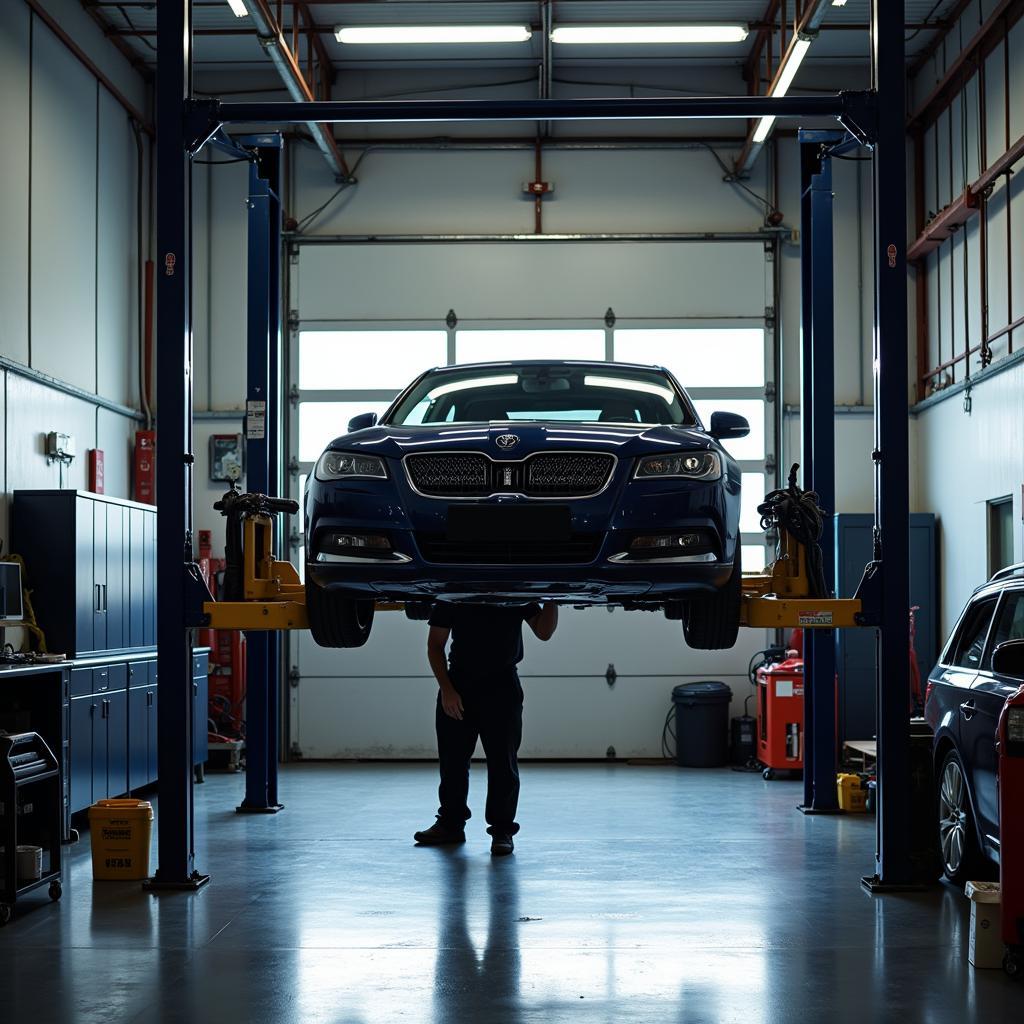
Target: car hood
x: 495, y: 439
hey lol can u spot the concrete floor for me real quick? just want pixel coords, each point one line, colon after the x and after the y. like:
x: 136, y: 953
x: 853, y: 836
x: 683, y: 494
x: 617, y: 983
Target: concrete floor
x: 648, y: 894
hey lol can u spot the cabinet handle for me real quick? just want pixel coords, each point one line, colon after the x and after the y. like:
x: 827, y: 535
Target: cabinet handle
x: 97, y: 601
x: 106, y: 709
x: 149, y: 699
x: 104, y: 586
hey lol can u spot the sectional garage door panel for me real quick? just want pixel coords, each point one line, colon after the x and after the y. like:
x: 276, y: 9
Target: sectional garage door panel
x: 520, y: 280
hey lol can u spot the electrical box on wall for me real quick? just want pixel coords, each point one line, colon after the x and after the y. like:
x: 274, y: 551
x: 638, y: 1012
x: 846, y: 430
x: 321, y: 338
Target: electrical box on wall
x: 145, y: 466
x: 60, y: 447
x: 227, y: 457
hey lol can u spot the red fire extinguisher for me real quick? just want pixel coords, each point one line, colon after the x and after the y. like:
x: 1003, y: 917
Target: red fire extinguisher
x: 1010, y: 746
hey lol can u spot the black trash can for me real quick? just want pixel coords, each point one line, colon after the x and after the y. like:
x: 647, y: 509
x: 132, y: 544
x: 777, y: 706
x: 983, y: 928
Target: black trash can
x: 702, y: 724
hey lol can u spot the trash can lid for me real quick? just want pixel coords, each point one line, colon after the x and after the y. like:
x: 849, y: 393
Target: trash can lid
x: 705, y: 692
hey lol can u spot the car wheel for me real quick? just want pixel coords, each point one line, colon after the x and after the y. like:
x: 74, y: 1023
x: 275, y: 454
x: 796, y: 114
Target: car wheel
x: 418, y: 611
x: 713, y: 623
x: 335, y: 620
x: 957, y: 843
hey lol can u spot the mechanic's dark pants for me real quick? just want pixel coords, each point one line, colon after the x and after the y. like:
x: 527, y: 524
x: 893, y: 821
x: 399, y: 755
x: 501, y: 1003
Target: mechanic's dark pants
x: 492, y: 712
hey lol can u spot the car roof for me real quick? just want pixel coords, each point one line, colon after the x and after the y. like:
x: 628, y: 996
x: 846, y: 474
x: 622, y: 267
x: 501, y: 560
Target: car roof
x: 1003, y: 578
x: 524, y: 363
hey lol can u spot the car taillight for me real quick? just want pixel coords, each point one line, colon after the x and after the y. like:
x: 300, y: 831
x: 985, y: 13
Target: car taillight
x: 1015, y: 725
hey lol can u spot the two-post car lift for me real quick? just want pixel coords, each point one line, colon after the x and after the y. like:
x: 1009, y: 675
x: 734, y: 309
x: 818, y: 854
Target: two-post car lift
x: 271, y: 597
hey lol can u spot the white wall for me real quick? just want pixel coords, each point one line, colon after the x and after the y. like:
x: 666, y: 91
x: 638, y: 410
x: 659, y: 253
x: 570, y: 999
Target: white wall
x: 68, y: 251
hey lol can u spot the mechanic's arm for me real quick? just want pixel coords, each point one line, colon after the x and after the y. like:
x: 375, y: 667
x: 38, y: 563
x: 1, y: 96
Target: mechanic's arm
x: 437, y: 640
x: 545, y: 622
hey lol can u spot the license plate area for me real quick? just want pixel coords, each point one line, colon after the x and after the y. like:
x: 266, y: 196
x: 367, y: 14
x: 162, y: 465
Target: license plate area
x: 469, y: 524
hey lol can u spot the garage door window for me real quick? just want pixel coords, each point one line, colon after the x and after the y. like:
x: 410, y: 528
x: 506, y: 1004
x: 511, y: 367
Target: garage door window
x: 356, y: 360
x: 501, y: 346
x: 698, y: 357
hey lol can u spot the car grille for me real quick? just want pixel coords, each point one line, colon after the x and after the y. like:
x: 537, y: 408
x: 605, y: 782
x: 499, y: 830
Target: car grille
x: 580, y: 549
x: 545, y: 475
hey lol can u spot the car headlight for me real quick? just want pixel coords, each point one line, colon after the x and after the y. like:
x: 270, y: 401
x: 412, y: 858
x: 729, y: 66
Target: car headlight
x: 347, y: 466
x: 691, y: 465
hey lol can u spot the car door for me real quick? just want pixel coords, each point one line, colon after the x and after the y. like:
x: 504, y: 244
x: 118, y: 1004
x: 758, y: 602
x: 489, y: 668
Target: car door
x: 989, y: 693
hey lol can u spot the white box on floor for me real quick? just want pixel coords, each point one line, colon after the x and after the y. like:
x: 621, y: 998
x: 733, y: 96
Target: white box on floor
x: 986, y: 943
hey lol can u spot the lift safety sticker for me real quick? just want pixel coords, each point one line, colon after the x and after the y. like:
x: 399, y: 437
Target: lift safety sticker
x: 255, y: 420
x: 814, y: 619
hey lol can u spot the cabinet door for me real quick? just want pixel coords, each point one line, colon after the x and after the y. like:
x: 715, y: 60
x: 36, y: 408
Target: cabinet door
x: 138, y: 737
x: 86, y: 594
x: 99, y: 575
x: 149, y: 578
x: 135, y: 564
x: 117, y: 743
x: 116, y: 569
x: 152, y: 697
x: 99, y: 747
x: 80, y: 750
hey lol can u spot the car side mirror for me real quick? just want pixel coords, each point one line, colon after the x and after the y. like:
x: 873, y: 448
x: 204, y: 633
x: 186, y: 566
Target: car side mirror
x: 728, y: 426
x: 1008, y: 659
x: 362, y: 421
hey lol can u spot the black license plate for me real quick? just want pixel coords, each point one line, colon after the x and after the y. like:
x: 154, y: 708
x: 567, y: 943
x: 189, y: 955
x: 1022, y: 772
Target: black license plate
x: 497, y: 523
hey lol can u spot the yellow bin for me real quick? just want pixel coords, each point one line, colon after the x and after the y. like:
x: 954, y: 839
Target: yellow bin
x: 120, y: 832
x: 852, y: 794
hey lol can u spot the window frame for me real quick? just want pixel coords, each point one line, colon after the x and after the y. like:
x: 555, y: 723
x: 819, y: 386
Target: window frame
x: 954, y: 649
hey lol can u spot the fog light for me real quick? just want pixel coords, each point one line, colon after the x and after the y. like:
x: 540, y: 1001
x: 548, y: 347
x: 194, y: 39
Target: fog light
x: 682, y: 541
x: 368, y: 542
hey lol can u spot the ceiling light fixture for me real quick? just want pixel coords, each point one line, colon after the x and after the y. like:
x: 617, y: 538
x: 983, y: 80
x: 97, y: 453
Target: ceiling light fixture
x: 787, y: 73
x: 838, y: 3
x: 238, y: 8
x: 648, y: 34
x: 426, y: 34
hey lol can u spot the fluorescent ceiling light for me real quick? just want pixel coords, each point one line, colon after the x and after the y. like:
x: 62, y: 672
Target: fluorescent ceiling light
x: 437, y: 34
x: 763, y: 129
x: 791, y: 67
x: 785, y: 80
x: 238, y: 8
x: 838, y: 3
x: 626, y: 34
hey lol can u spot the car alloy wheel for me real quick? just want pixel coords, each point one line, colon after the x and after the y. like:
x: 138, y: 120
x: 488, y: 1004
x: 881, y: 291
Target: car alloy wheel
x: 953, y: 817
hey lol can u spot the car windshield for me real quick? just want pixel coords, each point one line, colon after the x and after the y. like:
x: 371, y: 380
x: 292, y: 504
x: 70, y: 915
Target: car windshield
x: 593, y: 393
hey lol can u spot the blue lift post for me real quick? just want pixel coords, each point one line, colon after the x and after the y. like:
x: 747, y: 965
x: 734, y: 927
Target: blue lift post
x: 176, y: 834
x: 893, y: 862
x: 262, y: 411
x: 817, y: 373
x: 186, y: 124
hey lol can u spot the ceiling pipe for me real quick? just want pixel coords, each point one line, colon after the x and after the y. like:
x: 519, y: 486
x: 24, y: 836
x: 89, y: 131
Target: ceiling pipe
x: 269, y: 34
x: 805, y: 34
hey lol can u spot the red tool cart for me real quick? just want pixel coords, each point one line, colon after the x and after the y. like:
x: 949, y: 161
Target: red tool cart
x: 780, y: 716
x: 1010, y: 745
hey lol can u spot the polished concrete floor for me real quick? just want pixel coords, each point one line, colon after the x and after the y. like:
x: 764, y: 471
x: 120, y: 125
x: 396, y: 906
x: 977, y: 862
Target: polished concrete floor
x: 647, y: 894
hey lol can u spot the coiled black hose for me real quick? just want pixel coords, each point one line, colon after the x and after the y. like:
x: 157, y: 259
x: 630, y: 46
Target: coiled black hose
x: 798, y: 513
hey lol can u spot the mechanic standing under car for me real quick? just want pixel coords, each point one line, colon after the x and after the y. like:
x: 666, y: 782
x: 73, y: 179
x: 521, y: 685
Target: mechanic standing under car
x: 480, y: 697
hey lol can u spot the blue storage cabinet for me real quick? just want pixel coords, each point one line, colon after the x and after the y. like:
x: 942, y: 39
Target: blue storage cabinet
x: 90, y: 561
x: 855, y: 648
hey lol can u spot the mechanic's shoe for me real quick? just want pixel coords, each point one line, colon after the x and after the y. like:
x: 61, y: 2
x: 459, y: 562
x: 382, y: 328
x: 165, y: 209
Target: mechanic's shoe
x: 439, y: 835
x: 501, y: 845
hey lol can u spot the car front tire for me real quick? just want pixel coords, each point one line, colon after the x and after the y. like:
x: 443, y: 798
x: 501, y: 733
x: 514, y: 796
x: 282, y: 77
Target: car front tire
x: 713, y: 623
x: 336, y: 620
x: 958, y: 845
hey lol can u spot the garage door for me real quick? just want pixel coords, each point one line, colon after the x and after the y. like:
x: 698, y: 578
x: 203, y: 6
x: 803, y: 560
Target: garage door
x: 603, y: 683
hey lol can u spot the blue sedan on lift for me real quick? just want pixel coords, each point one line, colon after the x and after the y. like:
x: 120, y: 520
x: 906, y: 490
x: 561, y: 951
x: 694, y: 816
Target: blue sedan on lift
x: 576, y: 482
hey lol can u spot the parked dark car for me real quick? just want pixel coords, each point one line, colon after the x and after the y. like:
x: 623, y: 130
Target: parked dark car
x: 586, y: 483
x: 964, y: 699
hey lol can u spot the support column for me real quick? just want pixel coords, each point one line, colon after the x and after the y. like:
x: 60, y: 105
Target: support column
x: 892, y: 463
x: 260, y: 744
x: 176, y: 843
x: 818, y: 417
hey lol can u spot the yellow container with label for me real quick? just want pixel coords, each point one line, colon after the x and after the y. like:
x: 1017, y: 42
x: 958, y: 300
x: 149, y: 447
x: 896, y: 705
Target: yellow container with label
x: 120, y: 832
x: 852, y: 794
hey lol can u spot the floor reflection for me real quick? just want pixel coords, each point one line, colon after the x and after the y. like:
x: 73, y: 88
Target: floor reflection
x: 468, y: 983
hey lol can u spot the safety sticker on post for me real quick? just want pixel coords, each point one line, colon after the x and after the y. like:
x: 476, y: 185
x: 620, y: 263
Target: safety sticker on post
x: 255, y: 420
x: 812, y: 619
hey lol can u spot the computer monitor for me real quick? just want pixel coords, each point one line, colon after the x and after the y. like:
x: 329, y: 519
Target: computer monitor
x: 11, y: 609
